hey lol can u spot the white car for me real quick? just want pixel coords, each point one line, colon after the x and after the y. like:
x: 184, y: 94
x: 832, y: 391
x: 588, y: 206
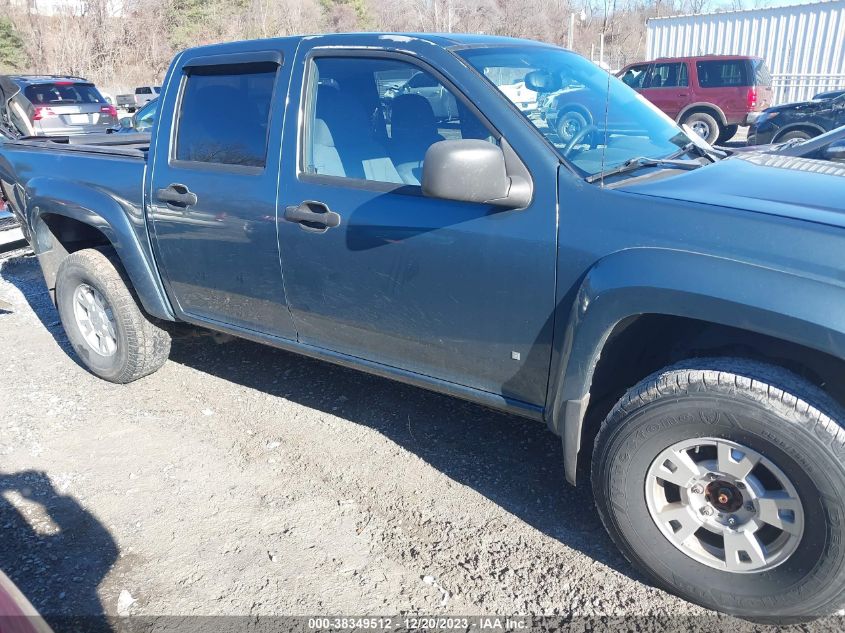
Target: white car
x: 522, y: 97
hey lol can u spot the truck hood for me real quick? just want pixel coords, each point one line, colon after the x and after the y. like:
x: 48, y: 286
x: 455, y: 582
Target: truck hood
x: 788, y: 186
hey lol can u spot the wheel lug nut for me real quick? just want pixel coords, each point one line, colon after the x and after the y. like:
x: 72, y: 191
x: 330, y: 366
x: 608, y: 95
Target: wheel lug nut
x: 732, y: 521
x: 740, y: 485
x: 696, y: 489
x: 712, y: 476
x: 706, y: 511
x: 749, y: 506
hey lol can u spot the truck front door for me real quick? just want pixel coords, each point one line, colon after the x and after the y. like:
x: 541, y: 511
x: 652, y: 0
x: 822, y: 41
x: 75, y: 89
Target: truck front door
x: 212, y: 190
x: 459, y: 292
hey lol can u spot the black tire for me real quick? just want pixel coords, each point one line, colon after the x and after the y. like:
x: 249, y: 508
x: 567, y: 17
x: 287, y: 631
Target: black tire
x: 705, y: 124
x: 141, y: 346
x: 728, y: 132
x: 569, y: 124
x: 773, y: 412
x: 788, y: 136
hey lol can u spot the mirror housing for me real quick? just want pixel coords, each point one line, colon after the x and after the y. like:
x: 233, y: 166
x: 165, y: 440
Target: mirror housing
x: 470, y: 170
x: 543, y: 82
x: 126, y: 123
x: 835, y: 152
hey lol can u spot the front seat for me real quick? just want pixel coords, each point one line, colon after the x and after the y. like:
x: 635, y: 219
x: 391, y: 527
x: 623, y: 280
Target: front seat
x: 413, y: 129
x: 345, y: 143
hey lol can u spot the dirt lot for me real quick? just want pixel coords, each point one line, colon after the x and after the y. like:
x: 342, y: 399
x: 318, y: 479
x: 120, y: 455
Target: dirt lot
x: 243, y: 480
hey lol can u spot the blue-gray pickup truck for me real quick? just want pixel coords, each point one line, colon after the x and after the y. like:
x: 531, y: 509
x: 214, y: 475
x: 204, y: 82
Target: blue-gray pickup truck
x: 675, y: 314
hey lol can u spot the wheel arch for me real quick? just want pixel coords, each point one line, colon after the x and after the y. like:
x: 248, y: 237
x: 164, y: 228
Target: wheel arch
x: 683, y: 298
x: 703, y: 106
x: 811, y: 128
x: 65, y: 217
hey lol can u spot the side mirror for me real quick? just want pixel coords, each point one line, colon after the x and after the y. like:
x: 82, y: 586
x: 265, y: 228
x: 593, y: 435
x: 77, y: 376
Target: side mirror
x: 127, y: 123
x: 473, y: 171
x: 835, y: 152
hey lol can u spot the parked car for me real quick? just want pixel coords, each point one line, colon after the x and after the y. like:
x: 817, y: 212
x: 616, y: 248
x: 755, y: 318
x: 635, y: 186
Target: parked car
x: 675, y: 313
x: 139, y: 98
x: 36, y: 105
x: 713, y: 94
x: 141, y: 121
x: 524, y: 98
x: 831, y: 94
x: 797, y: 120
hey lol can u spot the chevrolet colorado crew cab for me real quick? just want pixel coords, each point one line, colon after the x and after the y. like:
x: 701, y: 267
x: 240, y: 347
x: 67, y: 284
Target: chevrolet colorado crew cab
x: 675, y: 314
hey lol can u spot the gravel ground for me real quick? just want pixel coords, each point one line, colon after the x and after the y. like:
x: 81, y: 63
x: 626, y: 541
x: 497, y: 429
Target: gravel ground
x: 242, y: 480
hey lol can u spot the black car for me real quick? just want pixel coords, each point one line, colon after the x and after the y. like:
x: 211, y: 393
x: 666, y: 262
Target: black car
x: 798, y: 120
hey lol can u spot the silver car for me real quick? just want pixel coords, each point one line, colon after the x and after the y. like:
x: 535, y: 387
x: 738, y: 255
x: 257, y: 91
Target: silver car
x: 54, y: 106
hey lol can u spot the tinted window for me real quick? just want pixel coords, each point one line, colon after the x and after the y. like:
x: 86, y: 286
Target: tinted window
x: 146, y: 116
x: 225, y: 114
x: 374, y: 119
x: 723, y: 73
x: 634, y: 76
x: 667, y: 76
x: 143, y: 91
x: 62, y: 93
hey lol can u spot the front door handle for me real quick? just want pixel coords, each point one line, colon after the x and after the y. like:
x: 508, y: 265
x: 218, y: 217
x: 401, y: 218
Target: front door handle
x: 177, y: 195
x: 313, y: 216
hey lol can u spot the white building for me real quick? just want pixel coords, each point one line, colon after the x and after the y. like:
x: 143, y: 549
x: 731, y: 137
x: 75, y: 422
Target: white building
x: 803, y: 45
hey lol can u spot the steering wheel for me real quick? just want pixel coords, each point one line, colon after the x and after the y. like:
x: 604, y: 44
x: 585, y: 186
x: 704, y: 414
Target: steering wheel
x: 578, y: 137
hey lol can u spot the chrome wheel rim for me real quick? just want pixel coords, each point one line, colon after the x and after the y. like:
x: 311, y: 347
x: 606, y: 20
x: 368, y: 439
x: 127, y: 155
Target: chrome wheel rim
x: 95, y: 320
x: 701, y: 128
x: 724, y: 505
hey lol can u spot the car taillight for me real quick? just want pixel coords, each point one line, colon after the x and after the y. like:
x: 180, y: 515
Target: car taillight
x: 42, y: 112
x: 110, y: 110
x: 751, y: 98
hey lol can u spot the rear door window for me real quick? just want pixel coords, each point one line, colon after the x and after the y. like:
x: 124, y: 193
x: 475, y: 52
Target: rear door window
x: 224, y: 114
x: 724, y: 73
x: 670, y: 75
x: 62, y: 93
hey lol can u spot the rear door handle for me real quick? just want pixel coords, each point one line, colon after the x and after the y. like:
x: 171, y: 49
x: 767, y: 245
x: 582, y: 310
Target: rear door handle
x: 313, y: 216
x: 177, y: 195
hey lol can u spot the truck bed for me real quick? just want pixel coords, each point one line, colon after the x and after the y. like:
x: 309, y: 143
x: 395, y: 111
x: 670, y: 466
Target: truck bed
x: 125, y: 145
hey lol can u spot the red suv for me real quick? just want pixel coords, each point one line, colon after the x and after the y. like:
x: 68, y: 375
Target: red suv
x: 712, y: 94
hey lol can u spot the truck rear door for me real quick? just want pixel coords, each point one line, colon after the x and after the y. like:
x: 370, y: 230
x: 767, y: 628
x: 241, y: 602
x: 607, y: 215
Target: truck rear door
x: 212, y: 187
x: 457, y: 291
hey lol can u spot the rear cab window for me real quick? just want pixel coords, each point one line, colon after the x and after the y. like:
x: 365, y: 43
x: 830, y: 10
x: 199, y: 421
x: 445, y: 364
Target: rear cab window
x: 62, y: 93
x: 224, y: 114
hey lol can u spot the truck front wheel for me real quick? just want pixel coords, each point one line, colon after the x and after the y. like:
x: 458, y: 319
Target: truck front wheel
x: 724, y: 479
x: 113, y: 338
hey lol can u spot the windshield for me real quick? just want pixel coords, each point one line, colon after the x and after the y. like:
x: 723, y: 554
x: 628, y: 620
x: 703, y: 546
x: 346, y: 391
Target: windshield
x: 594, y: 120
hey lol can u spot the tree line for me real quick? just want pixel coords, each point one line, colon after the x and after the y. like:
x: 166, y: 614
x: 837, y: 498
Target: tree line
x: 119, y: 44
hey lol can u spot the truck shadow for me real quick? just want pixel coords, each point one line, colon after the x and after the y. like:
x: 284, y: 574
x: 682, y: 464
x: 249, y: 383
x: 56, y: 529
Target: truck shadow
x: 514, y: 462
x: 24, y: 273
x: 55, y: 551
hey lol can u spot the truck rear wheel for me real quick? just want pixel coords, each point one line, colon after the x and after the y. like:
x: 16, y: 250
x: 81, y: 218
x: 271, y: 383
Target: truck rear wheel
x: 103, y: 321
x: 724, y: 479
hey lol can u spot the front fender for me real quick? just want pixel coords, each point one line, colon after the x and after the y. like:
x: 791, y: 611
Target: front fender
x: 802, y: 310
x: 119, y: 220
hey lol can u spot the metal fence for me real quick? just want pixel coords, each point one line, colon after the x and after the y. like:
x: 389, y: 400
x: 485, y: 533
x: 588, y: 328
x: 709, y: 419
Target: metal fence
x: 803, y: 45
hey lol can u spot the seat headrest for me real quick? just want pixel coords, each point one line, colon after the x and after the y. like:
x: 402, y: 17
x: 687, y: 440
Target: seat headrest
x: 412, y: 114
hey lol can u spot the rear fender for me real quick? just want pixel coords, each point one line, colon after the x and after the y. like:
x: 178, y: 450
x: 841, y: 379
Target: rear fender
x: 119, y: 220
